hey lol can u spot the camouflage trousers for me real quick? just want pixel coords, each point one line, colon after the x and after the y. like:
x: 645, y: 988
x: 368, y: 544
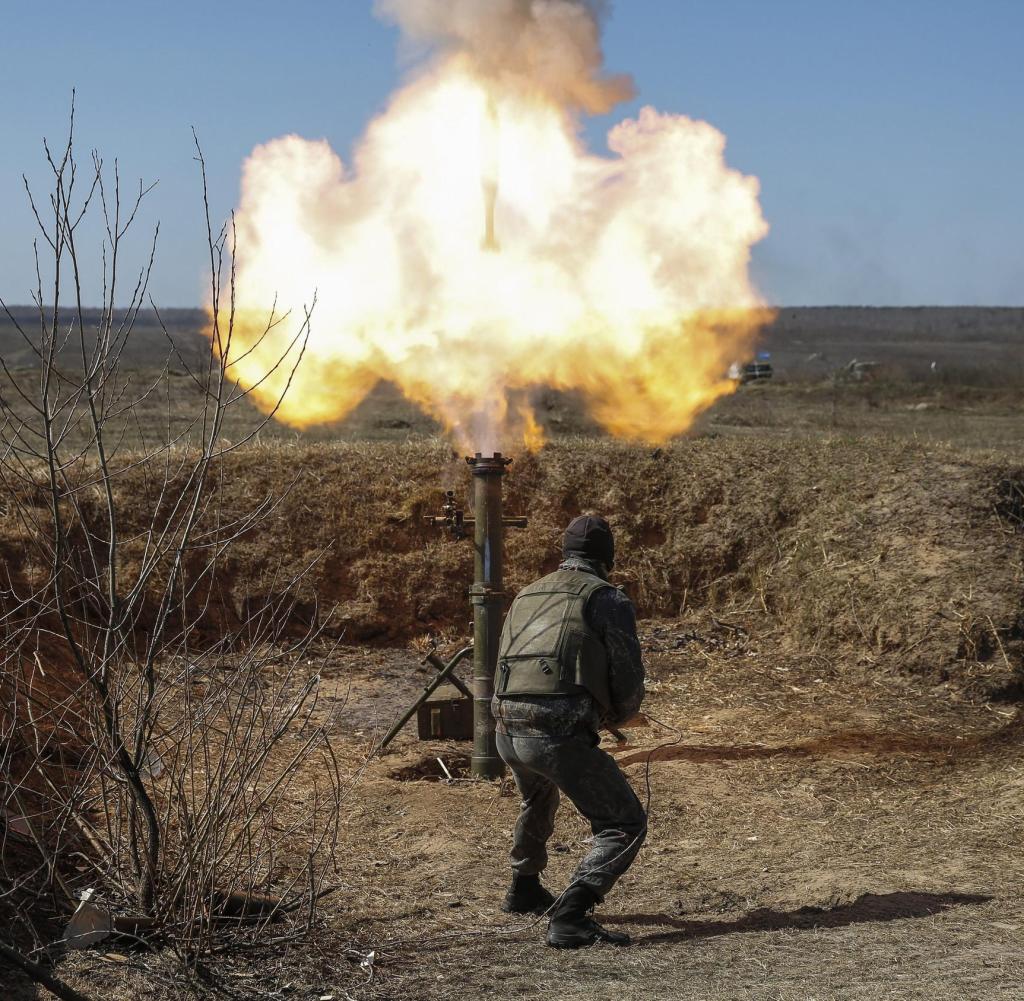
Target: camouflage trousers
x: 590, y: 778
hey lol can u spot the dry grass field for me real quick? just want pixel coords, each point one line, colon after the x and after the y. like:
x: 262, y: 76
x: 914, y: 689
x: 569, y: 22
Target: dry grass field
x: 817, y: 831
x: 830, y: 579
x: 972, y: 397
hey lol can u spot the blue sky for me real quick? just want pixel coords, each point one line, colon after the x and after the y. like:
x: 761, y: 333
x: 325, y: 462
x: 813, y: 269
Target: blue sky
x: 888, y: 136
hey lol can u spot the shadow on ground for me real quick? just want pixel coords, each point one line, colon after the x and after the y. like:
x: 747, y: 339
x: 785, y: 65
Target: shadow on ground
x: 833, y: 745
x: 870, y: 907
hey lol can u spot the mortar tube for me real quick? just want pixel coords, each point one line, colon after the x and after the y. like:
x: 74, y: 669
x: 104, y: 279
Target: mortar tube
x: 486, y: 596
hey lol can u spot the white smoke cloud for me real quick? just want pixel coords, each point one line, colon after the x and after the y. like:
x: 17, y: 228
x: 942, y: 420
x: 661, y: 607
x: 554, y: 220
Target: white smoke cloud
x: 553, y: 45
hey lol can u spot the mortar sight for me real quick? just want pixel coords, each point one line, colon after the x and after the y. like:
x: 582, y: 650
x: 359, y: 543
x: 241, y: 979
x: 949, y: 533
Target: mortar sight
x: 453, y: 517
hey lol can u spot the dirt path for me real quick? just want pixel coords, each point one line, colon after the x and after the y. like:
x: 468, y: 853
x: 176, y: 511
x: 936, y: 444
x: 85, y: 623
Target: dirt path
x: 808, y: 840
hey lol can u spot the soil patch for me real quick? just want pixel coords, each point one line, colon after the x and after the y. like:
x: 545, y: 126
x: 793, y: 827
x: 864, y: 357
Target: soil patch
x: 434, y: 769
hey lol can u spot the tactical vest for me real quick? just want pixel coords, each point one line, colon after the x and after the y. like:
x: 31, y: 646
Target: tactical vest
x: 547, y: 647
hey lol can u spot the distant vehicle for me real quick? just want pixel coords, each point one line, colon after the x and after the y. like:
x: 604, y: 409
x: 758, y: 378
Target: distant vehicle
x: 862, y: 371
x: 754, y: 371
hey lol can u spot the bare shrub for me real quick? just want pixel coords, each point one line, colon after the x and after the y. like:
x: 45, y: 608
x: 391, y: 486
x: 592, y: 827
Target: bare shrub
x: 151, y: 736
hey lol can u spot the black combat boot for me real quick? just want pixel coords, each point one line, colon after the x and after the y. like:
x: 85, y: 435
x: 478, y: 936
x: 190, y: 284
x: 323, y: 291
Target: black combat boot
x: 571, y: 925
x: 526, y: 895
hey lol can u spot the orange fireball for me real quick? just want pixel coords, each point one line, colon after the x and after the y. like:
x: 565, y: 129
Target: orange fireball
x: 476, y: 249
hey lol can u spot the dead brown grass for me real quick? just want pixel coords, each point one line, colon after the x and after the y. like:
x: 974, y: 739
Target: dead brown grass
x: 888, y: 554
x: 825, y: 839
x: 826, y: 625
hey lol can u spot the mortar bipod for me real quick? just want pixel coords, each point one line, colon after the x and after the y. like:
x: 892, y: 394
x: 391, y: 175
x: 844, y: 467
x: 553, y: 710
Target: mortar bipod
x: 445, y: 672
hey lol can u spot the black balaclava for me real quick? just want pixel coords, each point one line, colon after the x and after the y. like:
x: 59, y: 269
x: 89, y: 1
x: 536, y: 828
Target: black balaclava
x: 590, y: 537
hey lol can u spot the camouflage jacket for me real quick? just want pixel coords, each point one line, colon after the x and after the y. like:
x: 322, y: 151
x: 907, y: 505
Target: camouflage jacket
x: 610, y: 614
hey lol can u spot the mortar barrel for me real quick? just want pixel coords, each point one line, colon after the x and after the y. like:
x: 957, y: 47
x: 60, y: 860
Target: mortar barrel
x: 486, y: 596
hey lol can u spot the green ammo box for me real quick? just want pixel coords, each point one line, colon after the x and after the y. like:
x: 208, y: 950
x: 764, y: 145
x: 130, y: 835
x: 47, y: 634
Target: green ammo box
x: 446, y: 718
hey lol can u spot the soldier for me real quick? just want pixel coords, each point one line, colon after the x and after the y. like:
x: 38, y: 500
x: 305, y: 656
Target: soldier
x: 569, y: 663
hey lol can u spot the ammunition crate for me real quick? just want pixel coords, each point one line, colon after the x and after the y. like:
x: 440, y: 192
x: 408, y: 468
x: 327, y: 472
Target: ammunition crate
x: 445, y: 719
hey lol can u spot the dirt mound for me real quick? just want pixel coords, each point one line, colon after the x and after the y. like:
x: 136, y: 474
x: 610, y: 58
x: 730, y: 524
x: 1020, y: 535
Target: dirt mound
x: 886, y: 553
x: 434, y: 769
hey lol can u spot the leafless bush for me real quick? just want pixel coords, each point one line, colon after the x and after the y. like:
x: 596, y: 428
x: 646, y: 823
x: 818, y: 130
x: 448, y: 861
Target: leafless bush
x: 144, y: 753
